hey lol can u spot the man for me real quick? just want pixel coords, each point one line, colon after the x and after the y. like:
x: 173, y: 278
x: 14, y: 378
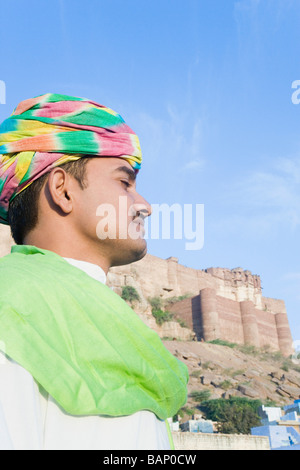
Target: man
x: 78, y: 368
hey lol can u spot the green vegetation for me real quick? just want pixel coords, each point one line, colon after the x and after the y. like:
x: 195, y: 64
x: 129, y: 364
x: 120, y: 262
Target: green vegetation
x: 130, y: 294
x: 200, y: 395
x: 269, y: 402
x: 196, y: 373
x: 225, y: 385
x: 236, y: 415
x: 185, y: 412
x: 285, y: 366
x: 161, y: 314
x: 173, y: 300
x: 233, y: 373
x: 207, y: 365
x: 248, y: 349
x: 181, y: 322
x: 245, y: 348
x: 223, y: 342
x: 237, y: 372
x: 156, y: 303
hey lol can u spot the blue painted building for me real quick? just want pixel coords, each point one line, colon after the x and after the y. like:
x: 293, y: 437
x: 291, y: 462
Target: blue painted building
x: 282, y: 426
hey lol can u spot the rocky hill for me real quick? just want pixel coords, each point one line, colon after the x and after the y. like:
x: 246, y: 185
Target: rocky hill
x: 231, y: 370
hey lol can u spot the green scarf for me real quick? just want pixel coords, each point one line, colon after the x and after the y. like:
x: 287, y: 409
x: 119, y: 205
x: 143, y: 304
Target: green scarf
x: 81, y: 341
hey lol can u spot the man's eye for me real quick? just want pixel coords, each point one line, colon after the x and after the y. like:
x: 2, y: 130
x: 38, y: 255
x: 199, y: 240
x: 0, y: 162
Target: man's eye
x: 126, y: 183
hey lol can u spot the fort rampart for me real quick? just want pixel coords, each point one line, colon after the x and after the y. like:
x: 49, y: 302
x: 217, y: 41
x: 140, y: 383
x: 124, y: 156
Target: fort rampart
x: 215, y: 317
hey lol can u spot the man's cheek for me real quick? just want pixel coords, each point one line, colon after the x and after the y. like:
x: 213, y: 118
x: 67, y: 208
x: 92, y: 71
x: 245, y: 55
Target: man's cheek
x: 107, y: 225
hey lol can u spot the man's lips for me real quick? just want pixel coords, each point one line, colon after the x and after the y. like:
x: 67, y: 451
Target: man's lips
x: 140, y: 224
x: 139, y: 221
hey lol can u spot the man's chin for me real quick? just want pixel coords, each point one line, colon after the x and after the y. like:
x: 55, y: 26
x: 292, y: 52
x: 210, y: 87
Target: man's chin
x: 131, y: 254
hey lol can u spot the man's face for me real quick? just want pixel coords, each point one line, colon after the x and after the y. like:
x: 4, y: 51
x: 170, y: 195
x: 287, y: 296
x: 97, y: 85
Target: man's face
x: 110, y: 212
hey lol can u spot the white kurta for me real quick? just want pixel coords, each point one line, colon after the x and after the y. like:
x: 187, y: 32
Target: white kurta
x: 31, y: 419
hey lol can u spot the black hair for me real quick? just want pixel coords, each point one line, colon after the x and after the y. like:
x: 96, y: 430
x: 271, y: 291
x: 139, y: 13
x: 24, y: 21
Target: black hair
x: 23, y: 209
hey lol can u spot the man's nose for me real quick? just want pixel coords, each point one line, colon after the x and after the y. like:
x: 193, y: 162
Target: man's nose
x: 141, y: 206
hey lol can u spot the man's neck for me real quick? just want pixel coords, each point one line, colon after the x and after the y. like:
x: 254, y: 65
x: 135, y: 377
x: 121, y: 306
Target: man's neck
x: 68, y: 248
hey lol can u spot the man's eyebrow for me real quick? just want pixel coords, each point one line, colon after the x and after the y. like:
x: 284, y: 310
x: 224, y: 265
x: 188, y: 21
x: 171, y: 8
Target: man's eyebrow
x: 128, y: 171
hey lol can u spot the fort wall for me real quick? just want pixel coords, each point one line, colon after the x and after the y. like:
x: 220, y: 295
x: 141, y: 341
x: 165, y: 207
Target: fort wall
x: 214, y: 317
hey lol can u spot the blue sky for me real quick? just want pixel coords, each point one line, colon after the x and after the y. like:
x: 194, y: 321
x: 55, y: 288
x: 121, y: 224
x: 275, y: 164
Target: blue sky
x: 207, y: 86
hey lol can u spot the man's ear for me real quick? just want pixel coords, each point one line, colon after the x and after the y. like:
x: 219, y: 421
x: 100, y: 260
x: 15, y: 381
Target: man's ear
x: 59, y: 189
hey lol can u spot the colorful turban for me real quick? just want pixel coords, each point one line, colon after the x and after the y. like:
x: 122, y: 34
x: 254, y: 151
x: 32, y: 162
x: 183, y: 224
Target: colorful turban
x: 50, y: 130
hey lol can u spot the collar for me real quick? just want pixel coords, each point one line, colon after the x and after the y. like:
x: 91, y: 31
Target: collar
x: 91, y: 269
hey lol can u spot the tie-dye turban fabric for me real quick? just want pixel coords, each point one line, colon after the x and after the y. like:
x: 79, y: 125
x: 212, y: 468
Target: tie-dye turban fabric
x: 50, y: 130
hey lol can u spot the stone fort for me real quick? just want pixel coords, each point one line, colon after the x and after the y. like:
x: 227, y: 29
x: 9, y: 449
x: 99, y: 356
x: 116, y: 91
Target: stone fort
x: 221, y: 304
